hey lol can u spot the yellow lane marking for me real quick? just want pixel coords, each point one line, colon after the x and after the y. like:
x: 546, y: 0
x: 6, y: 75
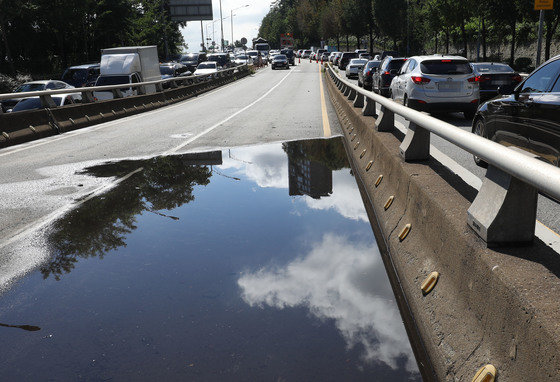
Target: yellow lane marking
x: 326, y: 125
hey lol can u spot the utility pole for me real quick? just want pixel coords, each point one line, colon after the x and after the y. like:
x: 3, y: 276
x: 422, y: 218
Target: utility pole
x: 222, y: 25
x: 202, y: 34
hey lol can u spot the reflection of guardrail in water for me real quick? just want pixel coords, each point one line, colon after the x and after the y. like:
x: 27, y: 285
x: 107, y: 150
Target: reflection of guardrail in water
x: 28, y: 125
x: 505, y: 208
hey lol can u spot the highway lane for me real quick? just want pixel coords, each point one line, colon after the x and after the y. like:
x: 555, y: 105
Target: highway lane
x: 42, y: 180
x: 461, y: 162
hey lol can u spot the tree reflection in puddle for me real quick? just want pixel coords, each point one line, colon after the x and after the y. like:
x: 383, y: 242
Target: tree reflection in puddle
x: 101, y: 224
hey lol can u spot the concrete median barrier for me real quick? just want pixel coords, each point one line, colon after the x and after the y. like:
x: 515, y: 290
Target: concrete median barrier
x: 495, y: 307
x: 16, y: 128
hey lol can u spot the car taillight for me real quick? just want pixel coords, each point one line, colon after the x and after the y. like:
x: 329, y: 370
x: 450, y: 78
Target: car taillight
x: 445, y: 60
x: 472, y: 79
x: 517, y: 78
x: 482, y: 78
x: 420, y: 80
x: 386, y: 73
x: 368, y: 73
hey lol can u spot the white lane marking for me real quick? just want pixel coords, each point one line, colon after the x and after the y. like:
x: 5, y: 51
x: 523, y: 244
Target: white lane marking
x: 175, y: 149
x: 543, y: 232
x: 112, y: 123
x: 33, y: 227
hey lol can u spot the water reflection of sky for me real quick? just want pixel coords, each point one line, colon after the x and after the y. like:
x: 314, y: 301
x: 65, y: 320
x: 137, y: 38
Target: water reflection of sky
x: 210, y: 274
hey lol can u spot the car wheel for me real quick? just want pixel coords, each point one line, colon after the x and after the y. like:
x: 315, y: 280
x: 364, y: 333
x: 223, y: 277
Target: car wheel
x: 480, y: 130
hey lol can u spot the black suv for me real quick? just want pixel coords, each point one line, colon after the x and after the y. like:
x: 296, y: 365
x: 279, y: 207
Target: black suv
x: 382, y: 77
x: 222, y: 59
x: 290, y: 54
x: 191, y: 60
x: 527, y: 117
x: 345, y: 59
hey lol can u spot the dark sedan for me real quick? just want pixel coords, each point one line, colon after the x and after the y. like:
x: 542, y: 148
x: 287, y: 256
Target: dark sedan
x: 280, y: 61
x: 345, y: 58
x: 527, y: 117
x: 491, y: 75
x: 366, y: 74
x: 381, y: 80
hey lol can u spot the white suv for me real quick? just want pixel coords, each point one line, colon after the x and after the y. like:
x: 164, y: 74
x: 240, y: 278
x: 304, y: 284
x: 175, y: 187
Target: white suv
x: 437, y: 83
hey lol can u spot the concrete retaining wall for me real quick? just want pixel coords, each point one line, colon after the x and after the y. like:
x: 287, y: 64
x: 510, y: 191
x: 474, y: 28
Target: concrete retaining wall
x: 495, y: 307
x: 16, y: 128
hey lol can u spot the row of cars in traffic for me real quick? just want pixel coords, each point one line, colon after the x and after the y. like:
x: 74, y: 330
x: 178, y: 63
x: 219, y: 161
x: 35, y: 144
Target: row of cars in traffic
x: 91, y: 75
x: 503, y: 106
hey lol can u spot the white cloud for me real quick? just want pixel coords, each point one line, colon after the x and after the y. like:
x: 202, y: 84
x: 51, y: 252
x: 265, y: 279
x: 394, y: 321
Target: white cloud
x: 246, y: 22
x: 344, y: 282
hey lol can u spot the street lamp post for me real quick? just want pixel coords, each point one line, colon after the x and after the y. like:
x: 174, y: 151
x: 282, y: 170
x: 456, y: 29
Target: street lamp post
x: 222, y: 25
x: 231, y: 15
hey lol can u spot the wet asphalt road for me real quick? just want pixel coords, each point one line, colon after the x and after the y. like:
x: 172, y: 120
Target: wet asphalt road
x: 548, y: 211
x: 41, y: 180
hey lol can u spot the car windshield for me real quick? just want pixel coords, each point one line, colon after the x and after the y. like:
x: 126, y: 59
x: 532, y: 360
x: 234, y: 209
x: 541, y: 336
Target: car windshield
x: 445, y: 66
x: 30, y: 88
x: 221, y: 58
x: 242, y: 57
x: 350, y: 55
x: 75, y: 76
x: 207, y: 65
x: 493, y: 68
x: 33, y: 103
x: 166, y: 70
x: 112, y: 80
x: 279, y: 57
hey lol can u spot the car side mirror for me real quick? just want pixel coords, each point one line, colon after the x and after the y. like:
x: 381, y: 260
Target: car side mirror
x: 505, y: 89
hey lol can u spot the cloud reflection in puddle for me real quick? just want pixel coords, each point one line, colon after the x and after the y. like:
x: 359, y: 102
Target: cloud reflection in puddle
x: 341, y: 281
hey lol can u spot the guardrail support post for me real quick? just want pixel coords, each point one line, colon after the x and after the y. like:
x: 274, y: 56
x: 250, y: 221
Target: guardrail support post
x: 359, y: 101
x: 505, y: 209
x: 370, y: 108
x: 346, y: 90
x: 47, y: 101
x: 352, y: 95
x: 87, y: 97
x: 385, y: 120
x: 416, y: 143
x: 117, y: 93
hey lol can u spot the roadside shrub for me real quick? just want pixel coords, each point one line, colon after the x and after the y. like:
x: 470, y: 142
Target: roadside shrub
x: 523, y: 64
x: 8, y: 84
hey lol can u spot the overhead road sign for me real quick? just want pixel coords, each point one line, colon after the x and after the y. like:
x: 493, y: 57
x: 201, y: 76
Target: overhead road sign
x: 190, y: 10
x: 543, y: 5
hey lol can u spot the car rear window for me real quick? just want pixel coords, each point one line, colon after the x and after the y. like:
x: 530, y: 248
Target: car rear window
x: 496, y: 68
x: 445, y: 66
x: 207, y: 65
x: 112, y: 80
x: 373, y: 64
x: 396, y: 64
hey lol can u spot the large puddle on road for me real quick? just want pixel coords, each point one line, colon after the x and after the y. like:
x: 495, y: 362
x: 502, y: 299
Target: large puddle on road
x: 254, y: 263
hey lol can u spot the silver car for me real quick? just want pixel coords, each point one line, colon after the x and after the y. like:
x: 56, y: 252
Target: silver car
x: 437, y: 84
x: 354, y: 66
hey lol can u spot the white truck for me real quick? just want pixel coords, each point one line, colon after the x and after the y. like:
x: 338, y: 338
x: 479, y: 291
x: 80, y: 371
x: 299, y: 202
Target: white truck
x: 128, y: 65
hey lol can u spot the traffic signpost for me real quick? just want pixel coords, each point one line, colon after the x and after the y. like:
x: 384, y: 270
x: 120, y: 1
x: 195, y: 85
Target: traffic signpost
x: 541, y: 5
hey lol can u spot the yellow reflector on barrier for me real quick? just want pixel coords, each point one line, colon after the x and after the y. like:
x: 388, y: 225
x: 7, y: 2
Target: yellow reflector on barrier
x: 354, y: 137
x: 486, y: 373
x: 389, y: 202
x: 357, y: 144
x: 369, y: 165
x: 404, y: 232
x: 429, y: 283
x: 378, y: 181
x: 362, y: 154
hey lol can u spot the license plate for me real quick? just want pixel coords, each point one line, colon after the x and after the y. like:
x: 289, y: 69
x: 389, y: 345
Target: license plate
x: 448, y: 85
x: 500, y: 82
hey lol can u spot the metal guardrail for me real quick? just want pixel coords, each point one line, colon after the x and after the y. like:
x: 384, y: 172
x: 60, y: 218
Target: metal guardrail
x: 87, y: 92
x: 504, y: 210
